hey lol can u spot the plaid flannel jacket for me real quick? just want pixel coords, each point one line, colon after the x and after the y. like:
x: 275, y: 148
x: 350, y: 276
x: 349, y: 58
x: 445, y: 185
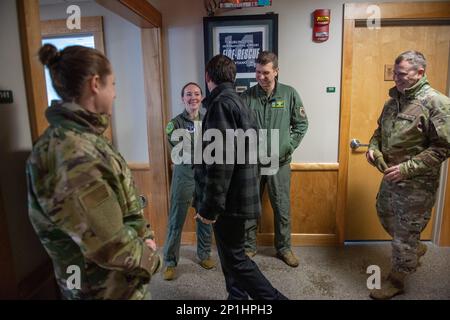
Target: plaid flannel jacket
x: 230, y: 189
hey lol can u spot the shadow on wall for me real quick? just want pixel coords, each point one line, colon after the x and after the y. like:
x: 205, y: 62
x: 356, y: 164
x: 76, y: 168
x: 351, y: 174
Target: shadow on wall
x: 29, y: 259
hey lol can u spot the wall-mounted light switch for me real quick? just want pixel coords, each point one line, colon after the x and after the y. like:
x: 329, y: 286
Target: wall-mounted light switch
x: 6, y: 97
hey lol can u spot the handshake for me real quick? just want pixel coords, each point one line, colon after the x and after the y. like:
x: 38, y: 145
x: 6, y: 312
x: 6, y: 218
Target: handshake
x: 377, y: 160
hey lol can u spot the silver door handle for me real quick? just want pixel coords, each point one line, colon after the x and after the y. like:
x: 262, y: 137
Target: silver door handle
x: 355, y: 144
x: 143, y: 200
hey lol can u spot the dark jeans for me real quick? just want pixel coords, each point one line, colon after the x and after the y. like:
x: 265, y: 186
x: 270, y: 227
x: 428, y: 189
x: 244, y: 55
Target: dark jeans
x: 242, y: 276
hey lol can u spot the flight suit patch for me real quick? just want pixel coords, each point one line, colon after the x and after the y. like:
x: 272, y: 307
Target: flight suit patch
x: 278, y: 104
x: 170, y: 127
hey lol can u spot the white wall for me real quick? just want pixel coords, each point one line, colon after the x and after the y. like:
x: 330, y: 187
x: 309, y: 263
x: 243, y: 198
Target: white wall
x: 15, y: 146
x: 156, y: 4
x: 123, y: 48
x: 307, y: 66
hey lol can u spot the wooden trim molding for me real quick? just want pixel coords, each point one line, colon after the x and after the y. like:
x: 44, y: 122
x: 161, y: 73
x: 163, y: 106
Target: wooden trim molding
x: 89, y: 25
x: 444, y: 239
x: 156, y: 115
x: 412, y: 10
x: 139, y: 166
x: 30, y: 37
x: 266, y: 239
x: 314, y: 166
x: 139, y: 12
x: 346, y: 93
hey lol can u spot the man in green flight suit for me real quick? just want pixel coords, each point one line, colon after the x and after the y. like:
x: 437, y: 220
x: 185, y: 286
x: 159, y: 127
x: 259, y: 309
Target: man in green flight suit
x: 408, y: 147
x: 276, y: 106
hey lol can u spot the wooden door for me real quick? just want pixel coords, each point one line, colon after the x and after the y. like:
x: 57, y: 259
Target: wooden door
x: 373, y: 51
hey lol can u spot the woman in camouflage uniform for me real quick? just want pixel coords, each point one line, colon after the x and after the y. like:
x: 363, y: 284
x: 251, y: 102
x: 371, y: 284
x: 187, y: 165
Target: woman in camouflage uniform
x: 82, y: 199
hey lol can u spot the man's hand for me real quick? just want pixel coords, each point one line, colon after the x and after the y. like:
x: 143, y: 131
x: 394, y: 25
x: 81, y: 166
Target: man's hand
x: 375, y: 158
x: 369, y: 157
x: 151, y: 244
x: 393, y: 174
x: 203, y: 220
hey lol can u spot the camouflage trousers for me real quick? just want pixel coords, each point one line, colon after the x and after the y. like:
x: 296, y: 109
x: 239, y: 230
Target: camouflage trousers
x: 404, y: 210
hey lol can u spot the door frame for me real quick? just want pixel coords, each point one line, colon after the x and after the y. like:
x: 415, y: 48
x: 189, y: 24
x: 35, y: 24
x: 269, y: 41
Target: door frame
x: 354, y: 13
x: 142, y: 14
x: 89, y: 25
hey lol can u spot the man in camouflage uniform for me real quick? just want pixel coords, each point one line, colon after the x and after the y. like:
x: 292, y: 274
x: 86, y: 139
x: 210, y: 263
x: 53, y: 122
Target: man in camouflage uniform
x: 408, y: 147
x: 84, y: 207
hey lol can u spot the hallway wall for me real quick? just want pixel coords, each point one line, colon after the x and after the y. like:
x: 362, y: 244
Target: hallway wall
x: 15, y: 145
x: 307, y: 66
x: 123, y: 48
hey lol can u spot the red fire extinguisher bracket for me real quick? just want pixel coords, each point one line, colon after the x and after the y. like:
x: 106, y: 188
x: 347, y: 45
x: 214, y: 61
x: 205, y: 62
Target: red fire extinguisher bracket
x: 321, y: 28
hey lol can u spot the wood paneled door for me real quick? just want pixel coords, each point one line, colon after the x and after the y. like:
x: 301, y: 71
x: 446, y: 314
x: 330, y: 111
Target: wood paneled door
x: 370, y: 53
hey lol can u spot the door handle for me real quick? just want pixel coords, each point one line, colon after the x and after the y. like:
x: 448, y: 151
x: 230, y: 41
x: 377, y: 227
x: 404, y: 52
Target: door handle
x: 143, y: 200
x: 355, y: 144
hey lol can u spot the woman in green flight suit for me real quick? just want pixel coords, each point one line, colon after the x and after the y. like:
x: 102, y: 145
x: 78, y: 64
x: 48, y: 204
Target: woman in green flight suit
x: 182, y: 187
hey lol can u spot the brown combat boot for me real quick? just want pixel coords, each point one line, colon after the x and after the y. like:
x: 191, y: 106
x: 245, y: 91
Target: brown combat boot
x: 169, y: 273
x: 289, y: 258
x: 421, y: 249
x: 208, y: 263
x: 391, y: 287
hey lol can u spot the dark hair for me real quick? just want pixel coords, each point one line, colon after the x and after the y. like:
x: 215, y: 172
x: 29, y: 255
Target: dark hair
x: 221, y: 69
x: 72, y: 67
x: 188, y: 84
x: 266, y: 57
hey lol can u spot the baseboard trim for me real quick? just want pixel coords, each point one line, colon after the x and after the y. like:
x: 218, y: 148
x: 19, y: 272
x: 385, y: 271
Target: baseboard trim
x: 267, y: 239
x: 314, y: 166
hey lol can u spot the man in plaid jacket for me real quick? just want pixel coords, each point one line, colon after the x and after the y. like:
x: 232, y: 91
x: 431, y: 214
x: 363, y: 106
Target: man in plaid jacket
x: 227, y: 188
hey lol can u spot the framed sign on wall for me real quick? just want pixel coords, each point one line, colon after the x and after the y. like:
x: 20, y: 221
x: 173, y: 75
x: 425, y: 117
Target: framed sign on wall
x: 241, y: 38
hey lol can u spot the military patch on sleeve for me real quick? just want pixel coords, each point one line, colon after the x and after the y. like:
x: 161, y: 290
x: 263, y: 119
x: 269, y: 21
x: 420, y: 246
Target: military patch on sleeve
x: 102, y: 211
x: 94, y: 196
x: 170, y: 127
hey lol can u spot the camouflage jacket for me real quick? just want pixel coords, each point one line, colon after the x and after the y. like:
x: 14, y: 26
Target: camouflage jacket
x: 85, y: 210
x: 414, y: 131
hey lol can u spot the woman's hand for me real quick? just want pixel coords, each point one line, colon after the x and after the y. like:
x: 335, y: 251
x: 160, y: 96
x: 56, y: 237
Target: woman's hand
x: 151, y: 244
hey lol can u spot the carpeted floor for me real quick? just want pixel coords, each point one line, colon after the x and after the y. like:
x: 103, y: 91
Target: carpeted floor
x: 324, y: 273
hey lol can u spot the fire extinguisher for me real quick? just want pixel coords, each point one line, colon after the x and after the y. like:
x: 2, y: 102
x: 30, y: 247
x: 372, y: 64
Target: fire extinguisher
x: 321, y: 29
